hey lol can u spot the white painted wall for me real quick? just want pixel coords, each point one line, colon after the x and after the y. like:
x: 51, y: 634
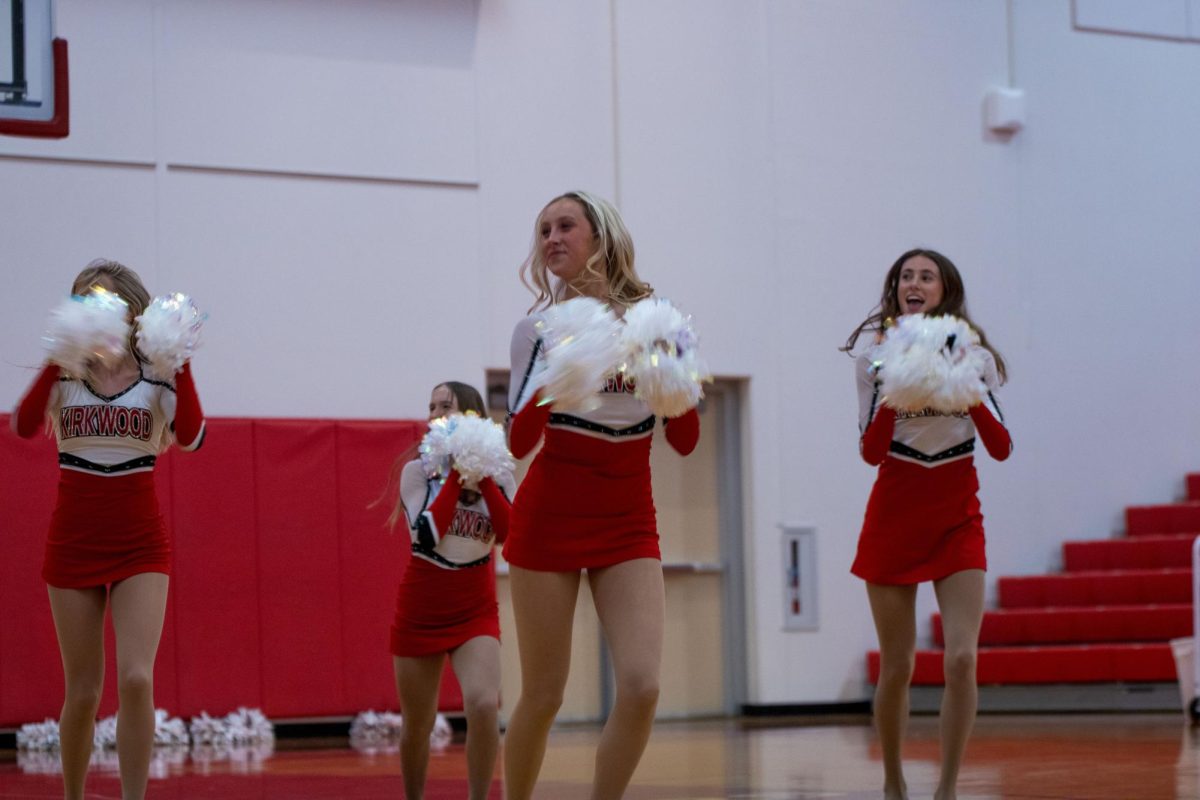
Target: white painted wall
x: 352, y: 215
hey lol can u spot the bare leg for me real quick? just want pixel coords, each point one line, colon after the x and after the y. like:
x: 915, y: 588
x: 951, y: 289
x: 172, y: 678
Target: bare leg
x: 894, y: 611
x: 544, y: 609
x: 477, y: 666
x: 79, y: 622
x: 631, y: 603
x: 138, y: 606
x: 417, y: 681
x: 960, y: 598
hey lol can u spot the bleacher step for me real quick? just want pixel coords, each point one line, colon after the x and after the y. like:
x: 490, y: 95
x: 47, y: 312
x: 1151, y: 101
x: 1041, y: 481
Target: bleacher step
x: 1165, y: 518
x: 1097, y: 587
x: 1075, y: 625
x: 1134, y: 552
x: 1080, y: 663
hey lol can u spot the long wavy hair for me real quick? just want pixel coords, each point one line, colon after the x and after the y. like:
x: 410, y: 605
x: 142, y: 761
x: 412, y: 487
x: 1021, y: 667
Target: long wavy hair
x: 467, y: 398
x: 612, y: 263
x: 954, y: 303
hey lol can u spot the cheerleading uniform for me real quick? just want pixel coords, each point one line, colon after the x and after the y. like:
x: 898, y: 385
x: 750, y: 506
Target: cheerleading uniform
x: 106, y: 524
x: 586, y: 501
x: 447, y: 594
x: 923, y: 520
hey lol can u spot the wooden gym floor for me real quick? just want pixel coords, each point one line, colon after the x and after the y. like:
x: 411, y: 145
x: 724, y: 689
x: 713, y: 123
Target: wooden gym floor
x: 1093, y: 757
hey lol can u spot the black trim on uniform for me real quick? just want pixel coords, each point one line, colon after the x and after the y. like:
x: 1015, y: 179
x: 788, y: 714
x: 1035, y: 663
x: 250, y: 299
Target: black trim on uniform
x: 126, y: 390
x: 433, y: 555
x: 69, y: 460
x: 577, y: 422
x: 874, y: 400
x: 953, y: 452
x: 537, y: 348
x: 996, y: 406
x: 425, y: 538
x: 163, y: 384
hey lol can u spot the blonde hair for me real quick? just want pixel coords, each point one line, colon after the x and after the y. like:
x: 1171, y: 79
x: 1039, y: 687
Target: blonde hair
x: 125, y: 282
x: 612, y: 263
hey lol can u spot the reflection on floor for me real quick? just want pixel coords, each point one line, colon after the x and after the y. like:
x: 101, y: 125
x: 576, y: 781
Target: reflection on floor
x: 1104, y: 757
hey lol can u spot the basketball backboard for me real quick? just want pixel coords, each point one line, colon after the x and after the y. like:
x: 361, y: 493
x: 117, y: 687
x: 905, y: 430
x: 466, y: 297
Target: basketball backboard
x: 34, y: 97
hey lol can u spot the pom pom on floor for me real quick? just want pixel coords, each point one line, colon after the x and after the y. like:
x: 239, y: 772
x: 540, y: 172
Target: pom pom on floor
x: 582, y: 346
x: 931, y: 362
x: 379, y: 731
x: 168, y: 732
x: 661, y: 357
x: 245, y: 726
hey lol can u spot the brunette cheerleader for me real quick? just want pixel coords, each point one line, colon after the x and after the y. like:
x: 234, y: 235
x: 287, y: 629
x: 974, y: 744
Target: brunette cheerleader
x: 923, y: 521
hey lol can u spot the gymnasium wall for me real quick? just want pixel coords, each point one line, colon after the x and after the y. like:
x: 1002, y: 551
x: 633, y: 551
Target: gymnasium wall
x: 348, y: 189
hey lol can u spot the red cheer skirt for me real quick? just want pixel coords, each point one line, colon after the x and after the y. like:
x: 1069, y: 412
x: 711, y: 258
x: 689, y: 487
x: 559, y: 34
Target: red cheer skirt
x: 585, y: 503
x: 104, y: 529
x: 921, y: 524
x: 439, y: 609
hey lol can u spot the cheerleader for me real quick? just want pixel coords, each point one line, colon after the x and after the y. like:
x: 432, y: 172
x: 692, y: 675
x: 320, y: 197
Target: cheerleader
x: 585, y: 504
x: 108, y: 544
x: 923, y: 521
x: 446, y: 604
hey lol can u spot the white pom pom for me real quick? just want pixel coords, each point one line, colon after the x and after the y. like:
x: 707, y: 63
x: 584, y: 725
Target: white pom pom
x: 662, y: 359
x: 435, y: 447
x: 479, y: 449
x: 169, y: 731
x: 169, y: 332
x: 246, y: 726
x: 931, y: 362
x: 371, y: 727
x: 442, y: 734
x: 38, y: 736
x: 105, y: 735
x: 83, y: 328
x: 582, y: 341
x: 206, y: 730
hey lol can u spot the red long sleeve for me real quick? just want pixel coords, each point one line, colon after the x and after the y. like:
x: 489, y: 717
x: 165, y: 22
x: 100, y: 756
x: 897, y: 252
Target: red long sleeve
x: 498, y: 507
x: 877, y: 439
x: 32, y: 408
x: 527, y: 425
x: 189, y: 417
x: 993, y: 433
x: 441, y: 510
x: 683, y: 433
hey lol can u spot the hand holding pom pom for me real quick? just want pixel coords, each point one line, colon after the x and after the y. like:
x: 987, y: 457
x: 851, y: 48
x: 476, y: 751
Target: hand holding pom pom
x: 478, y: 449
x: 169, y: 332
x: 931, y: 362
x: 662, y: 359
x: 87, y: 327
x: 582, y: 341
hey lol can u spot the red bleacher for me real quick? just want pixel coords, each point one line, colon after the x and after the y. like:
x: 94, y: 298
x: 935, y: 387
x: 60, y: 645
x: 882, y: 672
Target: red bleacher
x: 1107, y: 617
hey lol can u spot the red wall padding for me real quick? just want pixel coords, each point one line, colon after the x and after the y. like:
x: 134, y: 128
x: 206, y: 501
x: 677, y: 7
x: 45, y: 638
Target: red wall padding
x: 284, y: 580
